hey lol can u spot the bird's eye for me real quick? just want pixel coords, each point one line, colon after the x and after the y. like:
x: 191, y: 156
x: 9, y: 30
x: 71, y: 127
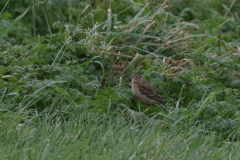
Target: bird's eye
x: 136, y: 77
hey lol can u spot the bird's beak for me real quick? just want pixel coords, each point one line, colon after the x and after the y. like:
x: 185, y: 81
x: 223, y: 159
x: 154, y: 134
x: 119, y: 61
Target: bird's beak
x: 130, y: 76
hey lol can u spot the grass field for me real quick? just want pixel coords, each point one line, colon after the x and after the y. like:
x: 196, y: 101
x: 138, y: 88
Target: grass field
x: 65, y: 89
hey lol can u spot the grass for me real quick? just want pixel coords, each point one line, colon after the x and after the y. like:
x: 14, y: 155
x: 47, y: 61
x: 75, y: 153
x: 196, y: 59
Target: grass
x: 65, y: 90
x: 110, y: 136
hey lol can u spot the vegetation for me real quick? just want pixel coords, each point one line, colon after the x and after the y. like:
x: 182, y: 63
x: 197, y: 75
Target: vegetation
x: 65, y: 90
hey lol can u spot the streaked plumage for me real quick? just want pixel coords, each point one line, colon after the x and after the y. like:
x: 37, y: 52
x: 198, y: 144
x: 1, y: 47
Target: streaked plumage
x: 145, y: 92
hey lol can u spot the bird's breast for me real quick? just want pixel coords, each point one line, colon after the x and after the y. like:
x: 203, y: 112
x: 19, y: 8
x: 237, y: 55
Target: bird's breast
x: 135, y: 90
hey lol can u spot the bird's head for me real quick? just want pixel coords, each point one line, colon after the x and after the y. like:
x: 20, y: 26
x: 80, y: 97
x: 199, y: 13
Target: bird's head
x: 135, y: 77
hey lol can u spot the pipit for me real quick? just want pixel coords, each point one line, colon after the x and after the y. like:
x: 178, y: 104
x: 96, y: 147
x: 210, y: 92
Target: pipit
x: 145, y: 92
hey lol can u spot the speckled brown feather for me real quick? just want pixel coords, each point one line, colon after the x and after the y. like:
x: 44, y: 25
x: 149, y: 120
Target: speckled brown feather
x: 147, y: 92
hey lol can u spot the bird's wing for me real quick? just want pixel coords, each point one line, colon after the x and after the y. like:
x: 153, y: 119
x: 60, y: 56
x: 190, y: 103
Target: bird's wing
x: 149, y: 91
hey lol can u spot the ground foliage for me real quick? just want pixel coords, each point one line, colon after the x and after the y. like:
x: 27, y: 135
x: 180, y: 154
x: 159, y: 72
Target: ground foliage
x: 64, y: 79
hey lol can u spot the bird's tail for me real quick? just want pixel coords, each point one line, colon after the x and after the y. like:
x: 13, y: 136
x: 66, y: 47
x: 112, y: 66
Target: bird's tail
x: 165, y: 107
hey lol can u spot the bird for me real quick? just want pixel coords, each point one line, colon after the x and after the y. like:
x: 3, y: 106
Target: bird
x: 145, y: 92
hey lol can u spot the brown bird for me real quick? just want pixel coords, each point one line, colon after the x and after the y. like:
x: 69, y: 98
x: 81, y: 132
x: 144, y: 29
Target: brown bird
x: 145, y: 92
